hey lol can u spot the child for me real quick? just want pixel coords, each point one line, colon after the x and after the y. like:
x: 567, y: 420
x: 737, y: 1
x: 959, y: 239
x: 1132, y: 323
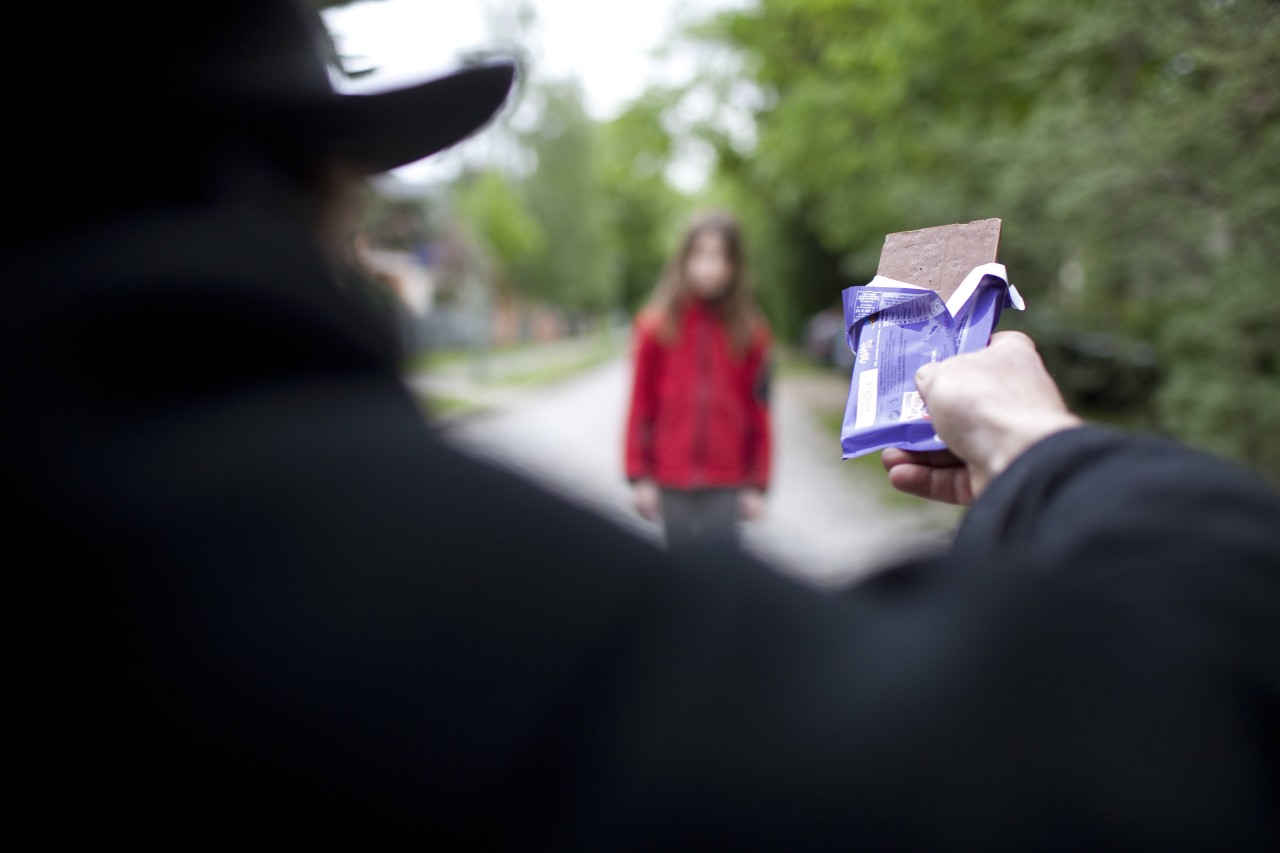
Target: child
x: 697, y: 440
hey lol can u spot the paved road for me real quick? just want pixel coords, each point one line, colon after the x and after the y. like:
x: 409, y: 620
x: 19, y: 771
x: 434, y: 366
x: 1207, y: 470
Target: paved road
x: 825, y: 523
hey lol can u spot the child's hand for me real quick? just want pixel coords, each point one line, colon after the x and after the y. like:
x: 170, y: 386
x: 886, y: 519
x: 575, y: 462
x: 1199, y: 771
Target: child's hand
x: 645, y: 498
x: 750, y: 504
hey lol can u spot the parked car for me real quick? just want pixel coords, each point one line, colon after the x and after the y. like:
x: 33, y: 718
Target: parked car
x: 824, y: 339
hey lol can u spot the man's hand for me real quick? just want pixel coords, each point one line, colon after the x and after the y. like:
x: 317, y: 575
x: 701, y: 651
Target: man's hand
x: 936, y: 475
x: 989, y: 407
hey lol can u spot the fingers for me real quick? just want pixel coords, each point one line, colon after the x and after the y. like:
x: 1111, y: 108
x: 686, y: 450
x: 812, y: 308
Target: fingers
x: 1012, y: 339
x: 924, y: 378
x: 945, y: 485
x: 1002, y: 347
x: 891, y: 457
x: 988, y: 407
x: 935, y: 475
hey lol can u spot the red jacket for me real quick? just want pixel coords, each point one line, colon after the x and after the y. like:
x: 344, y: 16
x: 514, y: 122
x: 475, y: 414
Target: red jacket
x: 699, y: 410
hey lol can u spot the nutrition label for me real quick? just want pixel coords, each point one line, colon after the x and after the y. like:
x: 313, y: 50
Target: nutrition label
x: 898, y: 331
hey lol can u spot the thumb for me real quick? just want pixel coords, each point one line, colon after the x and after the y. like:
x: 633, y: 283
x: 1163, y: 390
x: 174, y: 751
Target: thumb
x: 924, y: 378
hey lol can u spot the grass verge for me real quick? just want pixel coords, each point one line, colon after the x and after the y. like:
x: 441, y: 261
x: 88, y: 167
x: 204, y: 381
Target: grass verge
x: 551, y: 373
x: 444, y: 406
x: 519, y: 366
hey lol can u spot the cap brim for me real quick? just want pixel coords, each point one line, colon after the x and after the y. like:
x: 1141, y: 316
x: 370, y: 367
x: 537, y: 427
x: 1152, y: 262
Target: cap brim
x: 391, y: 129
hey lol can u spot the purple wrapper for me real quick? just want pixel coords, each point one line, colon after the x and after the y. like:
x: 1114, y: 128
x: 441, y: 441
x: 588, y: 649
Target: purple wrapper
x: 893, y: 330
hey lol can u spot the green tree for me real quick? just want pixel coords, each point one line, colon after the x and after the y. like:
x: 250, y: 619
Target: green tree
x: 1148, y: 166
x: 493, y: 209
x: 570, y: 268
x: 1131, y: 149
x: 642, y: 211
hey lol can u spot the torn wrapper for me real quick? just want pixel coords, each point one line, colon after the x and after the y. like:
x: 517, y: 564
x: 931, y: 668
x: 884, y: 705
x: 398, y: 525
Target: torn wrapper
x: 895, y: 328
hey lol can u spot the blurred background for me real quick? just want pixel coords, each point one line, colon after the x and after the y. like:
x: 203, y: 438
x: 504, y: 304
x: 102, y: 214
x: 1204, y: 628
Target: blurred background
x: 1131, y: 149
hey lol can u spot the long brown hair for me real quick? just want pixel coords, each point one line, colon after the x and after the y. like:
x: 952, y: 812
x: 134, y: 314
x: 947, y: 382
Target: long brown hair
x: 737, y: 307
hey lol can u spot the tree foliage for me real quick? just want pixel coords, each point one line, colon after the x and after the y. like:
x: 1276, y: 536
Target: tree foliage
x: 562, y: 195
x: 494, y: 211
x: 1132, y: 150
x: 588, y: 227
x: 642, y: 211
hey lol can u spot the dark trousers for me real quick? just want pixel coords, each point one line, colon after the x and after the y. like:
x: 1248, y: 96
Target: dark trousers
x: 699, y: 517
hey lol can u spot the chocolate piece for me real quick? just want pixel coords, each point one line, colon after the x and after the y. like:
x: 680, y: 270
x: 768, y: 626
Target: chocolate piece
x: 939, y: 258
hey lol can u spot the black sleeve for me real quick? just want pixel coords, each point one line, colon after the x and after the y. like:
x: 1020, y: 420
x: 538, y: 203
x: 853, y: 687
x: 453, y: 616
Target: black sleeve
x: 1147, y: 523
x: 1096, y: 666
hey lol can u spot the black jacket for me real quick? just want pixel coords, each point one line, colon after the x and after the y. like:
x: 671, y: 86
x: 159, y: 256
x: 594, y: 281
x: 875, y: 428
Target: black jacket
x: 256, y: 598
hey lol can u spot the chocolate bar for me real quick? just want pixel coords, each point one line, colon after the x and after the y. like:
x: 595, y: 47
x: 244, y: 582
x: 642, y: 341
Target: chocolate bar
x: 938, y: 294
x: 938, y: 259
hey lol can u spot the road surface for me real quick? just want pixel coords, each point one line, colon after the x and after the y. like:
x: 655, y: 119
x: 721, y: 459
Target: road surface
x: 826, y: 523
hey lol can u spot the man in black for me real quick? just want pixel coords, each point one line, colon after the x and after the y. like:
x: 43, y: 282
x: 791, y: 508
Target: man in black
x: 260, y: 600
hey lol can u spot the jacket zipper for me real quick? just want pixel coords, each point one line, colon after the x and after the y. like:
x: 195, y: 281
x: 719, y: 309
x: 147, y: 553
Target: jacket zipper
x: 702, y: 394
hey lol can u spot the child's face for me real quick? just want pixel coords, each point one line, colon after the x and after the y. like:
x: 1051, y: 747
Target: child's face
x: 708, y: 269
